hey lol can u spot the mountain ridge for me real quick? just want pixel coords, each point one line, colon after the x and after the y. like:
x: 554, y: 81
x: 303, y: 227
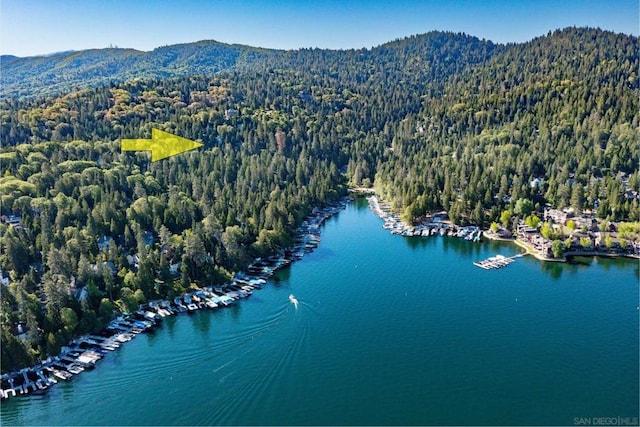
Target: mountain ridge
x: 53, y: 74
x: 50, y: 75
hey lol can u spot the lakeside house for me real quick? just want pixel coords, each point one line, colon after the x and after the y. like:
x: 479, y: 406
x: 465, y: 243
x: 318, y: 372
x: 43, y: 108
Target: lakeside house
x: 504, y: 233
x: 584, y: 237
x: 109, y: 264
x: 133, y: 260
x: 81, y: 294
x: 148, y: 238
x: 174, y: 269
x: 230, y: 113
x: 536, y: 183
x: 561, y: 217
x: 586, y: 222
x: 533, y: 238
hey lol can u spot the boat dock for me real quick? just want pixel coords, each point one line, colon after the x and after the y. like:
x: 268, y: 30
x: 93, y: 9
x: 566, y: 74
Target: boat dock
x: 432, y: 227
x: 496, y: 262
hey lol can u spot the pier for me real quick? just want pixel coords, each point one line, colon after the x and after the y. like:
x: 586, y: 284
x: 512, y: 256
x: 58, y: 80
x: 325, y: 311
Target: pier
x: 495, y: 262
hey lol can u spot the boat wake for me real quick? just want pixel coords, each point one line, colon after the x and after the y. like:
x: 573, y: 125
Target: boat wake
x: 293, y: 300
x: 268, y: 366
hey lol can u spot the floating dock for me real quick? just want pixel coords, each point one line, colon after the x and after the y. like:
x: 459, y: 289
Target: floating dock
x: 495, y: 262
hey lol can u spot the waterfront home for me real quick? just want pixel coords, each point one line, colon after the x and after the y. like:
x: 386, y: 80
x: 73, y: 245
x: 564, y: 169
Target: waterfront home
x: 532, y: 237
x: 504, y: 233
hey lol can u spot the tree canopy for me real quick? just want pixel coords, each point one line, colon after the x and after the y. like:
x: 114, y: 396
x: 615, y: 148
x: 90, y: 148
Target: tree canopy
x: 436, y: 121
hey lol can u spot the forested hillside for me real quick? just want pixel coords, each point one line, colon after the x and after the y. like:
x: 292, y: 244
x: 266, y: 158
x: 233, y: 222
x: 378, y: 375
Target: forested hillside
x: 66, y: 71
x: 562, y: 108
x: 437, y: 121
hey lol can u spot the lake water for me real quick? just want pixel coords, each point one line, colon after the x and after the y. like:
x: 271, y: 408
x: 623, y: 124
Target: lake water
x: 389, y: 331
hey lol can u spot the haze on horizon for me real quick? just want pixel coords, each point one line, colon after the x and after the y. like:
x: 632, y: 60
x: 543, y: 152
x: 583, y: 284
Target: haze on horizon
x: 40, y: 27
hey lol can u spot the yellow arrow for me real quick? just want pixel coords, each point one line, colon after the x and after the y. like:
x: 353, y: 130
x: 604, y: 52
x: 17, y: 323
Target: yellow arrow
x: 162, y: 145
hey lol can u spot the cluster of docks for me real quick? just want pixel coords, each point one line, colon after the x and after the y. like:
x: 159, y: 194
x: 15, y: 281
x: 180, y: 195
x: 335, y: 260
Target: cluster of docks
x: 79, y: 355
x: 395, y: 225
x: 84, y: 352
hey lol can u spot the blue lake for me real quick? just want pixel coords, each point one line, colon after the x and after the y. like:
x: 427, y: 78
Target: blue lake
x: 389, y: 331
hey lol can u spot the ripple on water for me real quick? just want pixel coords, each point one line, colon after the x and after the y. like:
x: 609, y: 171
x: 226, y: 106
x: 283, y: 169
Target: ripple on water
x: 274, y: 349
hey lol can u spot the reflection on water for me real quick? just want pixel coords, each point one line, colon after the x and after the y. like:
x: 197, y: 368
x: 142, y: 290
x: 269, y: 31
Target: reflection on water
x: 418, y: 243
x: 281, y: 276
x: 168, y: 325
x: 202, y: 321
x: 582, y: 261
x: 152, y: 335
x: 463, y: 247
x: 552, y: 269
x: 234, y: 311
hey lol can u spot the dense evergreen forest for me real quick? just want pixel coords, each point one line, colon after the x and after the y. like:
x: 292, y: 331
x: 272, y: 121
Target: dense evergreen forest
x: 439, y: 121
x: 52, y: 74
x: 562, y: 108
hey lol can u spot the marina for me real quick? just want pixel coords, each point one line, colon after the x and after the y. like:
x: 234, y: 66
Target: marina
x: 435, y: 225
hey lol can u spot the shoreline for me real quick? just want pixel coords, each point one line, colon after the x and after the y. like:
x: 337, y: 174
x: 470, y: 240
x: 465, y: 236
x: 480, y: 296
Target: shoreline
x: 491, y: 236
x: 534, y: 253
x: 570, y: 254
x: 386, y: 213
x: 83, y: 352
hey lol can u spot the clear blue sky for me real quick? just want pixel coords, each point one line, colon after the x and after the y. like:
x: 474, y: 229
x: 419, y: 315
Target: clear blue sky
x: 32, y: 27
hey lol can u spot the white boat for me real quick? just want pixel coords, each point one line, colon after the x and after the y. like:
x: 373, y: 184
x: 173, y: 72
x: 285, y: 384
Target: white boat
x: 293, y: 300
x: 210, y: 303
x: 217, y: 300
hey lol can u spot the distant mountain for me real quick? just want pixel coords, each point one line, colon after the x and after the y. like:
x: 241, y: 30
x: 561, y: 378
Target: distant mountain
x: 61, y: 52
x: 62, y: 72
x: 434, y: 55
x: 5, y: 59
